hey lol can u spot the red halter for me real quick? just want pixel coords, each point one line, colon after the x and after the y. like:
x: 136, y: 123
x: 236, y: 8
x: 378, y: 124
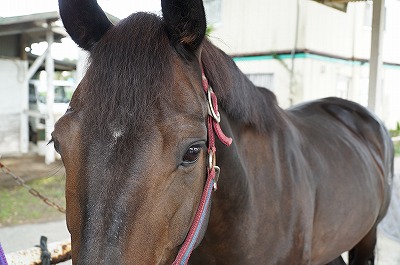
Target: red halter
x: 212, y: 174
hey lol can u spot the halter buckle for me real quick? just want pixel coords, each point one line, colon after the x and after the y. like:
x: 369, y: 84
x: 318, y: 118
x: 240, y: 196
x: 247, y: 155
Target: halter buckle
x: 212, y: 166
x: 211, y: 112
x: 217, y: 172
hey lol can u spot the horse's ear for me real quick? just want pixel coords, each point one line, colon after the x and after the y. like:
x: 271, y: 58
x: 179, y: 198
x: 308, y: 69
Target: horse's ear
x: 84, y: 21
x: 186, y: 24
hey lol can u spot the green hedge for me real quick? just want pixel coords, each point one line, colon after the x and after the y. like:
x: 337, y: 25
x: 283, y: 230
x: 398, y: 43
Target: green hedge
x: 395, y: 133
x: 397, y: 148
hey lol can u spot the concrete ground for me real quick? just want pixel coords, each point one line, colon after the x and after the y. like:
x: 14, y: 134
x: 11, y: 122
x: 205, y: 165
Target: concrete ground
x: 16, y: 238
x: 387, y: 250
x: 26, y: 236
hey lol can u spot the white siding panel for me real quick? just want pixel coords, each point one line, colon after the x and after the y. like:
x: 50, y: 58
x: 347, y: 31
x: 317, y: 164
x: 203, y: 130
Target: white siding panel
x: 391, y: 40
x: 329, y: 30
x: 391, y: 97
x: 263, y: 27
x: 265, y: 80
x: 9, y: 133
x: 13, y: 102
x: 255, y: 26
x: 281, y: 76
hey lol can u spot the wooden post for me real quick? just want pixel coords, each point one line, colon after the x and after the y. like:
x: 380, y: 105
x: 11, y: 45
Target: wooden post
x: 22, y: 45
x: 49, y: 155
x: 375, y: 62
x: 81, y: 65
x: 24, y: 127
x: 36, y: 64
x: 24, y: 120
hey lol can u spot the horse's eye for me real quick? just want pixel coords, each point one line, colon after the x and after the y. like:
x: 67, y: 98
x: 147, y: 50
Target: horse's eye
x: 192, y: 155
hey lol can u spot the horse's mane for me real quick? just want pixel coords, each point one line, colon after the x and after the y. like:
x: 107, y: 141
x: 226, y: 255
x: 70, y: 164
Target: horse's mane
x: 131, y: 70
x: 239, y: 97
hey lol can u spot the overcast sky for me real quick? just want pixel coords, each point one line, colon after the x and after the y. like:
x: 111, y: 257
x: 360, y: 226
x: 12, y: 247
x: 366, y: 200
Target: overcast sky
x: 118, y: 8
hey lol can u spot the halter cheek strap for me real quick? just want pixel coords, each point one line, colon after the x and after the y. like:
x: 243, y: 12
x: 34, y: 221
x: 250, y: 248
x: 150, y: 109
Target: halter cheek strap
x: 213, y: 170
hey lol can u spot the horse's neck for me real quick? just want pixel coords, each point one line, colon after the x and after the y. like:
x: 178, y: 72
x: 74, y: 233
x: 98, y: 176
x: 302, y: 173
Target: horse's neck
x: 252, y: 177
x: 237, y: 95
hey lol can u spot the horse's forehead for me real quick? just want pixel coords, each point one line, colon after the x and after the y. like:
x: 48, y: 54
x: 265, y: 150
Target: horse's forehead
x: 178, y: 113
x: 155, y: 85
x: 186, y: 100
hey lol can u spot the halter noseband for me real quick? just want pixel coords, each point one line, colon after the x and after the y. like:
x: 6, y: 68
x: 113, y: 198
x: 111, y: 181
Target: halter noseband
x: 212, y: 174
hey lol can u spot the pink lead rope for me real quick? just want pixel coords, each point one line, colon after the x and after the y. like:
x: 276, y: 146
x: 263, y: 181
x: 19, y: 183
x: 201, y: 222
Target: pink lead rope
x: 212, y: 175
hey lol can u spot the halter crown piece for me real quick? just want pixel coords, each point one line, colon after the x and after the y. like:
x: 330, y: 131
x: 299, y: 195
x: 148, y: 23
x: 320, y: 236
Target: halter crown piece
x: 212, y: 174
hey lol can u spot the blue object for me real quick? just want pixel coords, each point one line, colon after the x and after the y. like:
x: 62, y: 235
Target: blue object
x: 3, y: 260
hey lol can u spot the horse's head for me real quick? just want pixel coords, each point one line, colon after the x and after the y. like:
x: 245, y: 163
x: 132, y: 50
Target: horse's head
x: 133, y: 141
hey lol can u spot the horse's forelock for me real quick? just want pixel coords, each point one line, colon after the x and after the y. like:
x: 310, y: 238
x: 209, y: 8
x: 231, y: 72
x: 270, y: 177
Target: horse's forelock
x: 130, y: 69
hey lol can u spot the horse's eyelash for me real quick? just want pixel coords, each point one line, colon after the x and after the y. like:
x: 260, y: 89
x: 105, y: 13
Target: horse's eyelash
x: 51, y: 141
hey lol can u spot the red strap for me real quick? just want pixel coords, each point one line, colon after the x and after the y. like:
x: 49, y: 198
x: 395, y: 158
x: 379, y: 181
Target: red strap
x: 205, y: 201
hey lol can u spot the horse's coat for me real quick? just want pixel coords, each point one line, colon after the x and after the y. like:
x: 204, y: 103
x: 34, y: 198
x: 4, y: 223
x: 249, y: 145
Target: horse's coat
x: 297, y: 186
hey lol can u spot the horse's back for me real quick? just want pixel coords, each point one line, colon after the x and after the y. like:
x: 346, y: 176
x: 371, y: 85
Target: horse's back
x: 342, y: 121
x: 351, y: 139
x: 349, y: 154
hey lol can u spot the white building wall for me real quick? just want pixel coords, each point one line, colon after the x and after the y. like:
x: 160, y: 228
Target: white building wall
x: 390, y: 106
x: 318, y: 77
x: 391, y: 41
x: 362, y: 29
x: 264, y: 27
x: 315, y: 77
x: 328, y: 30
x: 255, y: 26
x: 362, y: 32
x: 258, y: 65
x: 13, y: 103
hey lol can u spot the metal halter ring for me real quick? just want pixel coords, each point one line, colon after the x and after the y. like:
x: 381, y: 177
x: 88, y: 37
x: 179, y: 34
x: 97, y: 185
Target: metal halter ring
x: 211, y: 159
x: 211, y: 111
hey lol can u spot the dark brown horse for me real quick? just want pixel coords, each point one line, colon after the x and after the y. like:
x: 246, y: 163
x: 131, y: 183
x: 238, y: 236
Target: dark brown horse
x: 297, y: 186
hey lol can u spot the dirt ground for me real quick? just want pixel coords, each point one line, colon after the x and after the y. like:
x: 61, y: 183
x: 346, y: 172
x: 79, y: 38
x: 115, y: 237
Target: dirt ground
x: 28, y: 167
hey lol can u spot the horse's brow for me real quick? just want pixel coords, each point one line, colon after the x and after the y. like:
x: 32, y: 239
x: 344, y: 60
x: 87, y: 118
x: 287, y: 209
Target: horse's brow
x: 184, y: 123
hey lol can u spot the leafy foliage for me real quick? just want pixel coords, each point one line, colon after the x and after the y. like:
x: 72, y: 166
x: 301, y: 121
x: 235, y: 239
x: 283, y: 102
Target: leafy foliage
x: 396, y: 133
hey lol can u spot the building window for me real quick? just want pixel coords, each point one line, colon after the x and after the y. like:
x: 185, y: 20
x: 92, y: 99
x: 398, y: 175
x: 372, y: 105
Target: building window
x: 213, y: 11
x: 262, y: 80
